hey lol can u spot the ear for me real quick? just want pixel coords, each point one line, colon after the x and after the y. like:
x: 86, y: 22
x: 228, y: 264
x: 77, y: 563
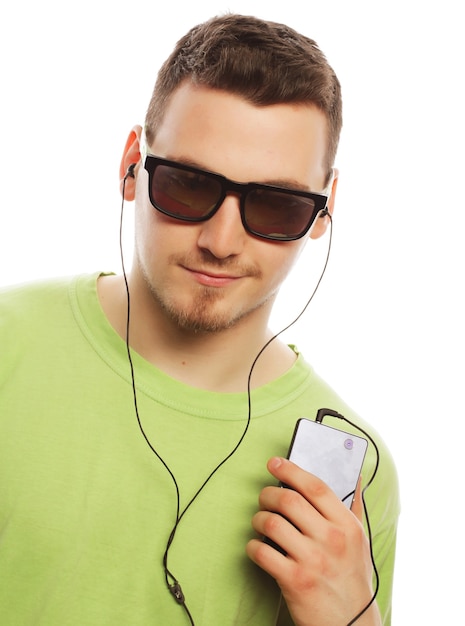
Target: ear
x: 131, y: 155
x: 321, y: 223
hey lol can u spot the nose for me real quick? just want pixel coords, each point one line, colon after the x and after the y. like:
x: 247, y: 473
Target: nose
x: 223, y: 234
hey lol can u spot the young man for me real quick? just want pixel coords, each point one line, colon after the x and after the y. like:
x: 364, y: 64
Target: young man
x: 142, y: 440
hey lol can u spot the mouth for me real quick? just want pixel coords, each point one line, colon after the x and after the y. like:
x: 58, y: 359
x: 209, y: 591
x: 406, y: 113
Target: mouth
x: 212, y: 279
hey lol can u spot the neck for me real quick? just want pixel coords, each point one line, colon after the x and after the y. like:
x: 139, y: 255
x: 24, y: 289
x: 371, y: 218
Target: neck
x: 216, y: 361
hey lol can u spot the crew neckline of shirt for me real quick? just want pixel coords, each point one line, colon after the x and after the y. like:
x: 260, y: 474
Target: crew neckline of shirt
x: 157, y: 385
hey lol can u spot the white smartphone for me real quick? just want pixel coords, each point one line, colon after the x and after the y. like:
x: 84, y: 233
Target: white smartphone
x: 333, y: 455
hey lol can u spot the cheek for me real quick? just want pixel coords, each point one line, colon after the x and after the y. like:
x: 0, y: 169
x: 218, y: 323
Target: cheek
x: 281, y: 258
x: 149, y: 236
x: 142, y: 226
x: 145, y: 217
x: 148, y: 221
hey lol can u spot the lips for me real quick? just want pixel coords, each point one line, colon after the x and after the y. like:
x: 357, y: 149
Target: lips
x: 210, y: 279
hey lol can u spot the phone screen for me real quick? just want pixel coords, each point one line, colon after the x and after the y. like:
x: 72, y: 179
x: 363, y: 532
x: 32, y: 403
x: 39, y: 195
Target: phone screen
x: 333, y: 455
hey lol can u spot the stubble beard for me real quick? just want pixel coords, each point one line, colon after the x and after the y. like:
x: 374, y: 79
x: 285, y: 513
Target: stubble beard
x: 198, y: 317
x: 203, y: 313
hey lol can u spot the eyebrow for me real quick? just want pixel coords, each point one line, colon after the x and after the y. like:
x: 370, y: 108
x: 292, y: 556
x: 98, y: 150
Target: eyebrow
x: 284, y: 183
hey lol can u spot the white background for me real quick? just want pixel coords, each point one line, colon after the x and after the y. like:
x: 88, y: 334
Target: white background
x: 386, y: 327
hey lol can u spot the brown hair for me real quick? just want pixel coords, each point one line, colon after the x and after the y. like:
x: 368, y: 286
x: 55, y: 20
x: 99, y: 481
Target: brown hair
x: 264, y: 62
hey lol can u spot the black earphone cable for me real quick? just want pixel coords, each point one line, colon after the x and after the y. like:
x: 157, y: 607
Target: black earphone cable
x: 319, y: 418
x: 171, y: 581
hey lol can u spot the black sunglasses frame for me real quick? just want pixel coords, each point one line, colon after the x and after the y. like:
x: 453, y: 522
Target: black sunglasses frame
x: 151, y: 163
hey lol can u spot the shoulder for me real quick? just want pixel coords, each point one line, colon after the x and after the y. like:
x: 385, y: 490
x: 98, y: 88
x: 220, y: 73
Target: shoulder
x: 16, y: 299
x: 28, y: 309
x: 21, y: 301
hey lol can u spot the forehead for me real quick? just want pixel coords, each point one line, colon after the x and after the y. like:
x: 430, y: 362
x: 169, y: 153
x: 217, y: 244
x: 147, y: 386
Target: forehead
x: 223, y: 132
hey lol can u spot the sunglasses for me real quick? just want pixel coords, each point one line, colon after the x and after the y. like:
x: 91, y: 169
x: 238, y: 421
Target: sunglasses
x: 194, y: 195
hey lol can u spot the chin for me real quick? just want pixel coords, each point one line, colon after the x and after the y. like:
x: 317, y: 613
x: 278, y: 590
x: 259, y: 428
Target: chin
x: 203, y: 322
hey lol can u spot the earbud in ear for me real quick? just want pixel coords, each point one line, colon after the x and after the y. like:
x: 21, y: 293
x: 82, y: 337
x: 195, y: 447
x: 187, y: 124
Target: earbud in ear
x: 324, y: 212
x: 130, y: 170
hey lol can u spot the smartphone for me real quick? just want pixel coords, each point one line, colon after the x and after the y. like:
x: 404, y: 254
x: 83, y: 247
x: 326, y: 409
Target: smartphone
x: 333, y: 455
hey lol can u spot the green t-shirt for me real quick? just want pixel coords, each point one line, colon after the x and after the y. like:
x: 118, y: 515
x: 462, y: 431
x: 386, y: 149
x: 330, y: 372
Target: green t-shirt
x: 86, y: 506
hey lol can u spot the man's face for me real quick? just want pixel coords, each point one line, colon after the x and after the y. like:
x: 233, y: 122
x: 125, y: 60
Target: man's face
x: 211, y: 275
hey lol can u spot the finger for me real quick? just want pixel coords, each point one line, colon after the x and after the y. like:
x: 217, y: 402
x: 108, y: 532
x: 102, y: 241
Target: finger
x: 293, y: 506
x: 357, y: 504
x: 268, y: 558
x: 312, y: 488
x: 285, y: 548
x: 283, y: 533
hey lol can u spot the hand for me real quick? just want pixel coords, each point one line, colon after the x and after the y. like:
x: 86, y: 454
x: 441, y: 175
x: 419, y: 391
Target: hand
x: 326, y: 575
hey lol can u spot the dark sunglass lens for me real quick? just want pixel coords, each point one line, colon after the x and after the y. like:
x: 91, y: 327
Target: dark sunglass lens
x: 183, y: 193
x: 278, y: 215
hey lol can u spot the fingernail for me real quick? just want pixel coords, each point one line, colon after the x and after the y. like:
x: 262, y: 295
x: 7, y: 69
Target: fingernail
x: 276, y: 462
